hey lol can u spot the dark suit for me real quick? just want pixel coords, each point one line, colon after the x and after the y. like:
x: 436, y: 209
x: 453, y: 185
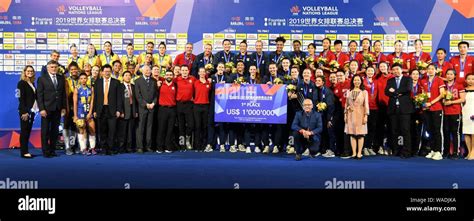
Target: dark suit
x: 52, y: 99
x: 307, y: 121
x: 106, y: 114
x: 145, y: 93
x: 126, y: 125
x: 26, y: 101
x: 400, y: 108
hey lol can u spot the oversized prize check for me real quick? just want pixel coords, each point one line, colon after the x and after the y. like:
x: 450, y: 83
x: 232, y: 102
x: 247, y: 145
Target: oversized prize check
x: 251, y: 103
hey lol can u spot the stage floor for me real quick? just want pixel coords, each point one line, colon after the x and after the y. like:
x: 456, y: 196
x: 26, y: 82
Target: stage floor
x: 233, y: 170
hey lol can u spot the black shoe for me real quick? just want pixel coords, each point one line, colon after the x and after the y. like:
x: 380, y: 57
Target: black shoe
x: 108, y: 152
x: 46, y: 155
x: 53, y: 154
x: 298, y: 157
x: 129, y: 150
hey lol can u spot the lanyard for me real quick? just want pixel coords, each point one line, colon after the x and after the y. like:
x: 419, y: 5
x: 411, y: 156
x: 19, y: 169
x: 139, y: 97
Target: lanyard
x: 227, y: 59
x: 415, y: 91
x: 305, y: 89
x: 418, y: 57
x: 353, y: 56
x: 430, y: 83
x: 186, y: 58
x: 462, y: 63
x: 325, y: 52
x: 372, y: 86
x: 378, y: 57
x: 207, y: 61
x: 259, y: 60
x: 107, y: 58
x: 222, y: 79
x: 277, y: 58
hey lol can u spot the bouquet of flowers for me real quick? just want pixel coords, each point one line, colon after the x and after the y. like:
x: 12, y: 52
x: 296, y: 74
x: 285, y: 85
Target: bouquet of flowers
x: 229, y: 65
x: 448, y: 95
x: 277, y: 81
x: 322, y: 61
x: 322, y: 106
x: 291, y: 88
x: 80, y: 123
x: 309, y: 60
x: 421, y: 65
x: 334, y: 65
x: 239, y: 80
x: 287, y: 77
x: 420, y: 99
x: 209, y: 67
x: 297, y: 61
x: 398, y: 61
x: 61, y: 70
x: 439, y: 71
x: 369, y: 58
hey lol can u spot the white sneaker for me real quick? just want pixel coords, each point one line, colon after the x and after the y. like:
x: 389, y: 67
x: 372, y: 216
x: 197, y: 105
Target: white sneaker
x: 366, y: 152
x: 248, y: 150
x: 208, y: 148
x: 242, y: 148
x: 168, y: 151
x: 380, y: 152
x: 222, y: 149
x: 257, y: 150
x: 437, y: 156
x: 233, y: 149
x: 328, y: 154
x: 306, y: 152
x: 372, y: 152
x: 275, y: 150
x: 291, y: 150
x: 266, y: 149
x: 430, y: 155
x: 159, y: 151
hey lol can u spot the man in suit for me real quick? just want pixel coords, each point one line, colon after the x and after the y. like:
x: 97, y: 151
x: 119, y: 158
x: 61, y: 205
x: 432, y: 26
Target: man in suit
x: 307, y: 127
x: 126, y: 123
x: 108, y: 106
x: 400, y: 108
x: 146, y: 92
x: 52, y: 105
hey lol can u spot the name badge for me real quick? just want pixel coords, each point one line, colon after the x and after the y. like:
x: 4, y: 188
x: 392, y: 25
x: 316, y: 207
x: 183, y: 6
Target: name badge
x: 461, y: 74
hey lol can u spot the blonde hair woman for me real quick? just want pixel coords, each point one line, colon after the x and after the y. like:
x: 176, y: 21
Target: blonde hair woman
x: 27, y: 107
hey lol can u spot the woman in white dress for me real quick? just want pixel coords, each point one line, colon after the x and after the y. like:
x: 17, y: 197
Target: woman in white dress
x: 468, y: 116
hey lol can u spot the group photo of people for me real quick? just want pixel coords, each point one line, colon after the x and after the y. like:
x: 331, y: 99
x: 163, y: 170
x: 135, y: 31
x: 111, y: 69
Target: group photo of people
x: 351, y: 105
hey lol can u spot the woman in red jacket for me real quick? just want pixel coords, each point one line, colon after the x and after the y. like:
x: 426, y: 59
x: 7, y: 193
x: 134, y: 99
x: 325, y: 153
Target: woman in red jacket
x: 399, y: 56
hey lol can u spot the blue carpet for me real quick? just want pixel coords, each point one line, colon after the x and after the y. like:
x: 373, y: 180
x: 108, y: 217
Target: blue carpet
x: 228, y: 170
